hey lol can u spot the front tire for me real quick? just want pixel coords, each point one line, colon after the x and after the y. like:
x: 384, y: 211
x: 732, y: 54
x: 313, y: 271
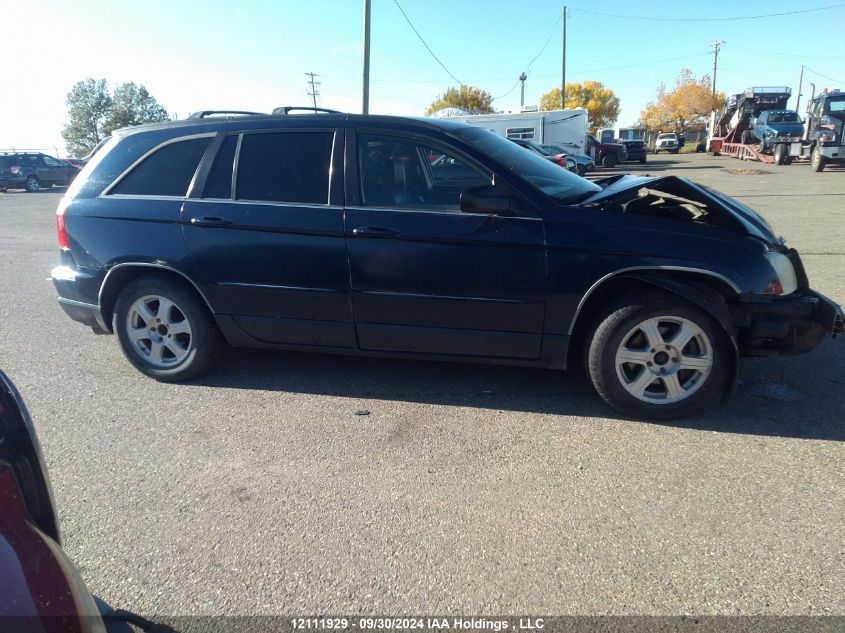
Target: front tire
x: 656, y: 356
x: 609, y: 161
x: 581, y: 170
x: 817, y: 160
x: 165, y: 330
x: 780, y: 154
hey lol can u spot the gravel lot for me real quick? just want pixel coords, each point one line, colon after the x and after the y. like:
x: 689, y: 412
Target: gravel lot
x: 467, y: 489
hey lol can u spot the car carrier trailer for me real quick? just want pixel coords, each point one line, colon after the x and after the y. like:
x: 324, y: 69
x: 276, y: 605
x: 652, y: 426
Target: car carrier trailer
x: 822, y: 141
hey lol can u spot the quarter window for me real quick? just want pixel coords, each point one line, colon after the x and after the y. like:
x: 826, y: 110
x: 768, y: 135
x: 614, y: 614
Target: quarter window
x: 285, y: 167
x: 167, y: 172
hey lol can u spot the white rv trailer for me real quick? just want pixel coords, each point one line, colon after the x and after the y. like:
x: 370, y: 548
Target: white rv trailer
x: 566, y: 128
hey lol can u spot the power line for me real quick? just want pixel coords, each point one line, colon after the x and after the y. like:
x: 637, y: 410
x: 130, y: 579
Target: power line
x: 815, y: 72
x: 428, y: 48
x: 516, y: 83
x: 739, y: 17
x: 548, y: 39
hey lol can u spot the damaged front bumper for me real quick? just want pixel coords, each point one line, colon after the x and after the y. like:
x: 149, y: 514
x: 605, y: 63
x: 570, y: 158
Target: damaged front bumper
x: 788, y: 325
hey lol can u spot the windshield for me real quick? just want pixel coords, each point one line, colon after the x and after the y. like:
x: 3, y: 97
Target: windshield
x: 784, y: 117
x: 665, y: 136
x: 551, y: 179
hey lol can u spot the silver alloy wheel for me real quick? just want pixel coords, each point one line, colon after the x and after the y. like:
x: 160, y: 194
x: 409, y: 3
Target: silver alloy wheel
x: 32, y: 185
x: 159, y: 331
x: 664, y: 359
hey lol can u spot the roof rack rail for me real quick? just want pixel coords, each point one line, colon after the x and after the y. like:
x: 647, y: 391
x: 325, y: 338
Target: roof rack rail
x: 204, y: 113
x: 287, y: 109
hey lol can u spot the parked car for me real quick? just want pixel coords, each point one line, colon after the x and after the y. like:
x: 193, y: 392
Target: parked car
x: 667, y: 142
x: 606, y: 154
x: 582, y: 161
x: 40, y: 588
x: 33, y: 171
x: 332, y: 233
x: 558, y: 159
x: 636, y: 151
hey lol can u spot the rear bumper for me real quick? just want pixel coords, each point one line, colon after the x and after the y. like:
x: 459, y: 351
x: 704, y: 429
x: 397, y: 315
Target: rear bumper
x: 790, y: 325
x: 75, y: 288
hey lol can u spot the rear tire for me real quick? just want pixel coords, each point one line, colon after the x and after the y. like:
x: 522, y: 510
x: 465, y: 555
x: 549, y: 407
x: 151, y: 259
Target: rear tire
x: 32, y: 185
x: 165, y: 330
x: 644, y: 328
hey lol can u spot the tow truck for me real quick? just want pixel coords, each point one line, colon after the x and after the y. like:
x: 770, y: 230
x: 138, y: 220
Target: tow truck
x: 821, y: 142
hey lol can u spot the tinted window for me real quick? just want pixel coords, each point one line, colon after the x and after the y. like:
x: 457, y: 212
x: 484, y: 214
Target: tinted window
x: 285, y: 167
x: 397, y: 173
x: 543, y: 174
x: 167, y: 172
x: 219, y: 183
x: 50, y: 162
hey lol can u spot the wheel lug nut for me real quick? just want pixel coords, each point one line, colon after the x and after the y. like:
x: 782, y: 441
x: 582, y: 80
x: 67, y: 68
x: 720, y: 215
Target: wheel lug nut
x: 652, y: 350
x: 668, y: 347
x: 649, y: 363
x: 674, y: 360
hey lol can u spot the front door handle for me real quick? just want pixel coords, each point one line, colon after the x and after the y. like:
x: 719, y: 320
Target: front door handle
x: 210, y: 221
x: 373, y: 231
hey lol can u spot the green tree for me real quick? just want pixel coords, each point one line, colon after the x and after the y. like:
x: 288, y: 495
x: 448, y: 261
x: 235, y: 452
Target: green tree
x: 93, y: 113
x: 601, y: 104
x: 89, y: 104
x: 473, y: 100
x: 132, y: 104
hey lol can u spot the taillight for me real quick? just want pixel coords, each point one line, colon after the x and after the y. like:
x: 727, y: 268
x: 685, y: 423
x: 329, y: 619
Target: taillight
x: 61, y: 229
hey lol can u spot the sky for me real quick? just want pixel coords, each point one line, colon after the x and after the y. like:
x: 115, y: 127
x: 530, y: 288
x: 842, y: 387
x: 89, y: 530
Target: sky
x: 220, y: 54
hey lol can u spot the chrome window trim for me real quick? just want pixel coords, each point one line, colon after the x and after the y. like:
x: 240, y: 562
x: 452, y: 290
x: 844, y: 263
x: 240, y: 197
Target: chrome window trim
x: 147, y: 154
x: 601, y: 280
x: 455, y: 212
x: 146, y: 265
x: 253, y: 203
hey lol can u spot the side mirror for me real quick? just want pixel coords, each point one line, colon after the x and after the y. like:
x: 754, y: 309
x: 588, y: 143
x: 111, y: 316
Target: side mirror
x: 485, y: 199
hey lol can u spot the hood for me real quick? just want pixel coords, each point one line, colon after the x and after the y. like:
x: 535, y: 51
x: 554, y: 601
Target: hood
x: 685, y: 201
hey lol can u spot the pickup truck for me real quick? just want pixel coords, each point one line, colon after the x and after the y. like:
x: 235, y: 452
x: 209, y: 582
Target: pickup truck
x: 605, y: 154
x: 777, y: 126
x: 667, y: 142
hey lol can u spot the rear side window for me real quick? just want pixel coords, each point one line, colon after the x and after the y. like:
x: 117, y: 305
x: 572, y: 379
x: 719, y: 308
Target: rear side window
x: 285, y: 167
x: 219, y: 183
x: 166, y: 172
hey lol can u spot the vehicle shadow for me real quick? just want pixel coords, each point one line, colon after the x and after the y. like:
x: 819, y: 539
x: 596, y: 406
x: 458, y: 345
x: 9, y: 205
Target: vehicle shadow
x: 771, y: 400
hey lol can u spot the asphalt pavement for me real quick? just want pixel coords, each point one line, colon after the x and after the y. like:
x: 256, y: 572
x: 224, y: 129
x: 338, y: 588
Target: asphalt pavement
x: 289, y: 483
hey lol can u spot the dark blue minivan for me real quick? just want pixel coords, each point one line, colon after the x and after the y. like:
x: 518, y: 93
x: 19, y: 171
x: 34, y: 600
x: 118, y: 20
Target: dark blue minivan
x: 422, y: 238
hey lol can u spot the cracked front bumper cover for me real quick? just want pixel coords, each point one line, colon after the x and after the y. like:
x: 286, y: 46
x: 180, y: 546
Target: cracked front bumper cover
x: 791, y: 325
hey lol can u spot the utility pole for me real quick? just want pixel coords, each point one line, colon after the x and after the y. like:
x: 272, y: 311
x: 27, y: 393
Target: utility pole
x: 563, y: 66
x: 365, y: 100
x: 314, y: 92
x: 522, y: 78
x: 800, y: 85
x: 715, y: 46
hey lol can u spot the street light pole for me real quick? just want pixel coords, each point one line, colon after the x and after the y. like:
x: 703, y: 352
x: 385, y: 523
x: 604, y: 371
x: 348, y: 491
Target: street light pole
x: 522, y: 78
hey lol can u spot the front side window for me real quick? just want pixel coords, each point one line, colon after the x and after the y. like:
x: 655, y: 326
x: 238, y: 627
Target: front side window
x: 166, y: 172
x: 542, y: 174
x: 285, y: 167
x: 51, y: 162
x: 398, y: 173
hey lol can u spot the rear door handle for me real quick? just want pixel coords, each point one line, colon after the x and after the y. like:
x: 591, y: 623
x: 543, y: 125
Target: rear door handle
x: 373, y: 231
x: 210, y: 221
